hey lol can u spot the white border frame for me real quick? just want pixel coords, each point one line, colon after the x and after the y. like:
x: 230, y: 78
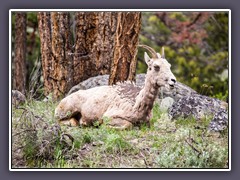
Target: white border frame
x: 119, y: 10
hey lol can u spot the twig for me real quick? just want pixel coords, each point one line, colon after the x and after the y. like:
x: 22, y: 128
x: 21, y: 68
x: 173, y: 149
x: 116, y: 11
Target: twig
x: 144, y: 158
x: 23, y: 132
x: 195, y: 149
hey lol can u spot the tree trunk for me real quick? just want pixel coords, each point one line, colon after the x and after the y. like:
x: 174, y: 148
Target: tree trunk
x: 19, y: 79
x: 94, y: 44
x: 124, y: 62
x: 104, y: 47
x: 57, y: 62
x: 44, y: 27
x: 85, y: 37
x: 61, y: 50
x: 104, y: 42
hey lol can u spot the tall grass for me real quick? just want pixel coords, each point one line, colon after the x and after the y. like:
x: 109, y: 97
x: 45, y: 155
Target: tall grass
x: 39, y: 142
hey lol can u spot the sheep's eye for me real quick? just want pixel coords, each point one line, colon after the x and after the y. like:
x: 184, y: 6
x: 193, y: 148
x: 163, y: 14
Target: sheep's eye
x: 156, y: 67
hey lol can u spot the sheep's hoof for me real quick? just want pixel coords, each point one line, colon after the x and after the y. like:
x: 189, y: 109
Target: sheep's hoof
x: 120, y: 124
x: 69, y: 122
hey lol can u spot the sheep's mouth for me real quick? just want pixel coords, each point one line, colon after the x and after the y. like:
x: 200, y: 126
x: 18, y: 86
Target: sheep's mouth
x: 171, y: 86
x: 72, y: 120
x: 75, y: 115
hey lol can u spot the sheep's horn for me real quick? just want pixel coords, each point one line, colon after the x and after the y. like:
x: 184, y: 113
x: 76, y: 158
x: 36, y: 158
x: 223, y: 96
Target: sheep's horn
x: 163, y: 54
x: 151, y: 50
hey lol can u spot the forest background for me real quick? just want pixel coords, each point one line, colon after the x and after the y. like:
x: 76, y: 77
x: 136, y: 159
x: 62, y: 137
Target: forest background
x: 51, y: 52
x: 196, y: 45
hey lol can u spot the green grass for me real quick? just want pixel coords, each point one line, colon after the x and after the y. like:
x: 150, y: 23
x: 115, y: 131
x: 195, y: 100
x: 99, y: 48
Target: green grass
x: 39, y: 142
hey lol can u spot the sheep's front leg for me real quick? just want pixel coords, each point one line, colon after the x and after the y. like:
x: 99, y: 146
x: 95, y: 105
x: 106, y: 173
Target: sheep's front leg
x: 120, y: 124
x: 69, y: 122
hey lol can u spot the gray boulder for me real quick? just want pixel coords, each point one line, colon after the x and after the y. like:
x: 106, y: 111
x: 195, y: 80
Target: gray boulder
x: 198, y: 107
x: 179, y: 91
x: 17, y: 98
x: 182, y: 101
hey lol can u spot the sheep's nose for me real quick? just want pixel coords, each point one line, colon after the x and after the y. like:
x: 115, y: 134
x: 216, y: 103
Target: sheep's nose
x: 57, y: 115
x: 172, y: 83
x: 173, y: 80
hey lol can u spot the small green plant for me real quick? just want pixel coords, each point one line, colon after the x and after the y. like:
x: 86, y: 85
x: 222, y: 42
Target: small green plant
x: 222, y: 96
x: 115, y: 144
x: 184, y: 143
x: 87, y: 138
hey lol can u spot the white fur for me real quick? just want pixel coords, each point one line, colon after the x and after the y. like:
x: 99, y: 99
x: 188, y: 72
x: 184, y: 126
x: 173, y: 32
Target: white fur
x: 121, y: 102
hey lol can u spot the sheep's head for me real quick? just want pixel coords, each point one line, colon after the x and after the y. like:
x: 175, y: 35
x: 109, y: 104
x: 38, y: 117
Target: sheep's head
x: 66, y: 109
x: 159, y: 69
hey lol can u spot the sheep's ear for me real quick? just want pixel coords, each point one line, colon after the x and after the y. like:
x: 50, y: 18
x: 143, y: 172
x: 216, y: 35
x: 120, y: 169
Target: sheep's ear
x: 147, y: 58
x: 163, y: 54
x: 159, y: 55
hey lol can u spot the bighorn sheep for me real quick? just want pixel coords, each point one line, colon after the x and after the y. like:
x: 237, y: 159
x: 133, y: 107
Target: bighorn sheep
x: 180, y: 90
x: 182, y: 101
x: 123, y: 104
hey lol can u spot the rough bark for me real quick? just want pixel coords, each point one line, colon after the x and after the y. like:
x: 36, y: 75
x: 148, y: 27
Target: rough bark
x: 61, y: 49
x: 94, y: 44
x: 44, y: 27
x: 57, y: 62
x: 104, y: 47
x: 123, y: 65
x: 100, y: 38
x: 19, y: 79
x: 85, y: 37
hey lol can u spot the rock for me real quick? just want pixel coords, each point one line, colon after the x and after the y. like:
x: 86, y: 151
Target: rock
x: 219, y: 121
x: 182, y: 101
x: 95, y: 81
x: 17, y: 98
x: 166, y: 103
x: 196, y: 105
x: 179, y: 91
x: 199, y: 106
x: 48, y: 98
